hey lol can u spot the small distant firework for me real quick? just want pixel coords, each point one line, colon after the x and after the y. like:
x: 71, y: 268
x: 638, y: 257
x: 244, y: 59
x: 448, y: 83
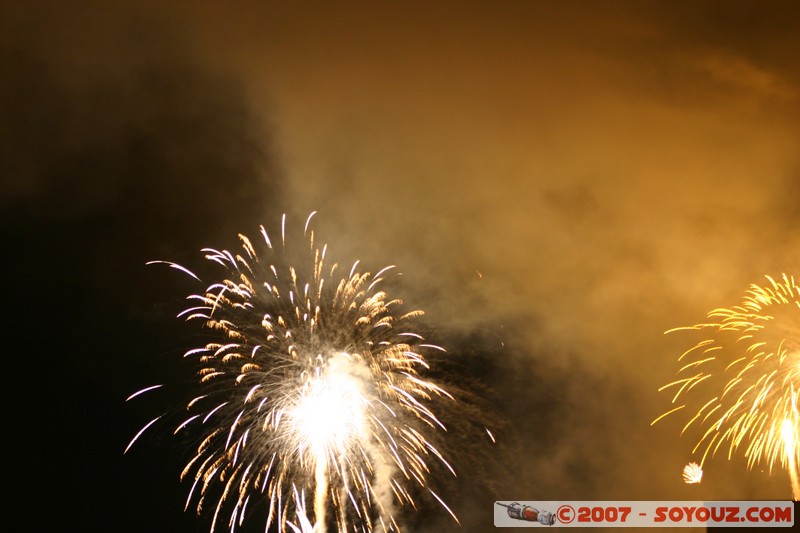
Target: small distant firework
x: 692, y: 473
x: 745, y: 378
x: 311, y: 386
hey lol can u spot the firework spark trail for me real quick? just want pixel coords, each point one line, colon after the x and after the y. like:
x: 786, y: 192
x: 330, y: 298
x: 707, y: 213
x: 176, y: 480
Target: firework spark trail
x: 312, y: 380
x: 745, y: 376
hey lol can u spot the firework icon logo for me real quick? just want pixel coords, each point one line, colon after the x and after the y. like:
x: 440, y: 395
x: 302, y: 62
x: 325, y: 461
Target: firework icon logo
x: 529, y: 514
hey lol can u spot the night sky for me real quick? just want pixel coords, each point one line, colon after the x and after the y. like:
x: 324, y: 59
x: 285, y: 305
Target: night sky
x: 558, y: 182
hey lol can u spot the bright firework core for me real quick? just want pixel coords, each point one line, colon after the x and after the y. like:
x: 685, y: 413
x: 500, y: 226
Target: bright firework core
x: 328, y: 417
x: 788, y: 433
x: 330, y: 411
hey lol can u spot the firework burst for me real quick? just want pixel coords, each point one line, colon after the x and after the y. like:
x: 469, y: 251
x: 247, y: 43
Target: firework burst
x: 745, y: 378
x: 311, y: 386
x: 692, y: 473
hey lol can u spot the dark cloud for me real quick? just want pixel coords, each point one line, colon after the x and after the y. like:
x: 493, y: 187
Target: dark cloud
x: 117, y: 147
